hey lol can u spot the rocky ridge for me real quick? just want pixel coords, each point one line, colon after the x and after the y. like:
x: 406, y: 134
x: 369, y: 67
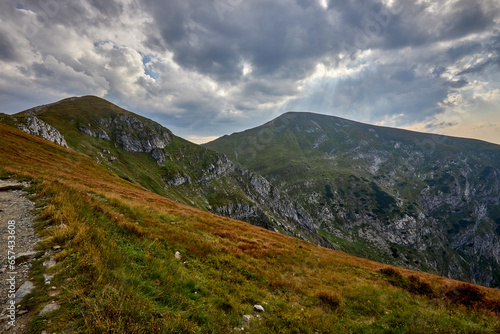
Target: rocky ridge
x: 39, y: 128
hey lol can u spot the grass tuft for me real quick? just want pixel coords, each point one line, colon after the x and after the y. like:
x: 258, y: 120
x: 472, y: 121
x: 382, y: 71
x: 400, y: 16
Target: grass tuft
x: 333, y: 300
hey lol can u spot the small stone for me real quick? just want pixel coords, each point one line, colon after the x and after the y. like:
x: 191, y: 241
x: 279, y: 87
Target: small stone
x: 47, y: 278
x: 3, y: 269
x: 22, y: 312
x: 49, y: 308
x: 49, y: 263
x: 23, y: 290
x: 246, y: 319
x: 178, y: 255
x: 56, y: 248
x: 26, y: 254
x: 258, y: 308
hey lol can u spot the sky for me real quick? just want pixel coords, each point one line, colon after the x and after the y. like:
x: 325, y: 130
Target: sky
x: 205, y: 68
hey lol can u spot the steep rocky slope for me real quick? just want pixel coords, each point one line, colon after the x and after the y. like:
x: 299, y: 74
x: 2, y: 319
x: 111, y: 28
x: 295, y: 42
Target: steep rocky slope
x: 144, y: 152
x: 417, y: 200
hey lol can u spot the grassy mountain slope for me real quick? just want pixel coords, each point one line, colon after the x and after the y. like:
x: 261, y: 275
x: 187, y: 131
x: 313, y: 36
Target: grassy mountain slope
x: 116, y: 272
x: 144, y: 152
x: 417, y: 200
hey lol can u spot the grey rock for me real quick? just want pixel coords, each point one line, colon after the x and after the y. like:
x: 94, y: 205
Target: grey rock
x: 49, y: 308
x: 179, y: 180
x: 48, y: 278
x: 98, y: 133
x: 136, y: 137
x: 159, y: 155
x: 258, y: 308
x: 23, y: 290
x: 37, y: 127
x: 26, y: 254
x: 49, y: 263
x: 246, y: 319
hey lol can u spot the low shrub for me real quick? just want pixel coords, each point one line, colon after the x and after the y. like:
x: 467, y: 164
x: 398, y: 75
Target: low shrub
x: 420, y: 288
x: 329, y: 298
x: 412, y: 284
x: 466, y: 294
x: 391, y: 272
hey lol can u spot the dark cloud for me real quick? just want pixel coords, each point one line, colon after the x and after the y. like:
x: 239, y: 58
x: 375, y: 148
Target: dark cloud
x: 210, y: 65
x: 459, y: 83
x: 404, y: 75
x: 271, y: 35
x: 419, y: 24
x: 490, y: 62
x: 463, y: 49
x: 41, y: 70
x: 7, y: 49
x: 79, y: 15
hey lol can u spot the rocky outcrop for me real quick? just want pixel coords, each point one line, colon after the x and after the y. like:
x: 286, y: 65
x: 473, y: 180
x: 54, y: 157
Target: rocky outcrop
x: 134, y: 136
x: 178, y: 180
x: 218, y: 169
x: 99, y: 133
x: 267, y: 195
x: 39, y: 128
x: 246, y: 196
x: 132, y: 133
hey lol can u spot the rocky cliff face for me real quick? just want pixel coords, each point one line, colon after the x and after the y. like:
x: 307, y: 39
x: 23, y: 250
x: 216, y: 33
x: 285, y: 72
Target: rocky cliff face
x: 39, y: 128
x: 258, y: 202
x: 131, y: 133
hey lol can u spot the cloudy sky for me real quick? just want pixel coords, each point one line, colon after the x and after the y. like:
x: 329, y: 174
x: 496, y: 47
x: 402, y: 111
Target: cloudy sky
x: 204, y: 68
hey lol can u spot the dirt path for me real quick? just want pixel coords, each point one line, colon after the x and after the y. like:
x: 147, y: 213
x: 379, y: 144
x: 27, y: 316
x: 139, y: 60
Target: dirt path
x: 15, y: 217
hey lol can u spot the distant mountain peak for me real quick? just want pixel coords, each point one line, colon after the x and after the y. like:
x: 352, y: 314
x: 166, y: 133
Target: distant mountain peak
x: 388, y: 194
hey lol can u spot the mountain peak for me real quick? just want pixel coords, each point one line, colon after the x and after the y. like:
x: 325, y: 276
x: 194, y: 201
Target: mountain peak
x: 388, y: 194
x: 88, y: 104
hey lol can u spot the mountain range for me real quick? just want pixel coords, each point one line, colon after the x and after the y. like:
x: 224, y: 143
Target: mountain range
x: 415, y: 200
x: 146, y: 153
x: 117, y: 256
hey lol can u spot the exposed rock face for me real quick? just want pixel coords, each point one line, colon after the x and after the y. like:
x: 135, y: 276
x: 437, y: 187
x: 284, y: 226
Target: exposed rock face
x: 220, y: 168
x: 37, y: 127
x: 99, y: 133
x: 132, y: 134
x: 179, y: 180
x: 267, y: 195
x: 260, y: 203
